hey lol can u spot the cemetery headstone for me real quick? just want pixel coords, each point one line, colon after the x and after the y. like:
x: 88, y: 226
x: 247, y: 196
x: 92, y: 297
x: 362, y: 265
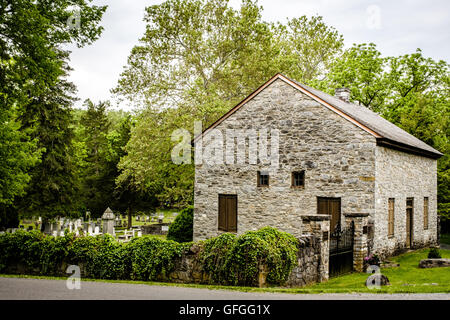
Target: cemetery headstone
x: 89, y: 230
x: 108, y: 221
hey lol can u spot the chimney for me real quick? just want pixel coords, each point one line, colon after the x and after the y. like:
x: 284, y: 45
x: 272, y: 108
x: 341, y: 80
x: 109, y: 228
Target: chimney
x: 343, y: 94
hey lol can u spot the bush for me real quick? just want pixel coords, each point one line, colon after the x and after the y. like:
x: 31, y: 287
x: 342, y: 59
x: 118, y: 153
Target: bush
x: 434, y: 254
x: 237, y: 260
x: 226, y: 259
x: 152, y: 257
x: 181, y: 229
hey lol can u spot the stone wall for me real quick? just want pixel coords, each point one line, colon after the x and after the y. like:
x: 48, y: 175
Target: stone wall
x: 308, y: 271
x: 337, y: 156
x: 155, y: 228
x: 400, y: 175
x: 309, y: 260
x: 188, y: 267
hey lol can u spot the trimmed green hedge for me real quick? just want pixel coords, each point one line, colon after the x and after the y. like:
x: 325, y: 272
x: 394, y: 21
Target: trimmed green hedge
x: 226, y: 259
x: 181, y: 229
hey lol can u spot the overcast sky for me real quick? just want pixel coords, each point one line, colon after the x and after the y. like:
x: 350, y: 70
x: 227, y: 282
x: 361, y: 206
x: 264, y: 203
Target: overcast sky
x: 395, y: 26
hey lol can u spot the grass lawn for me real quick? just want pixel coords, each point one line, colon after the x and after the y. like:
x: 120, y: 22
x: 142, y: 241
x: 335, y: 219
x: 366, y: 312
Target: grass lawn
x: 445, y: 238
x: 407, y: 278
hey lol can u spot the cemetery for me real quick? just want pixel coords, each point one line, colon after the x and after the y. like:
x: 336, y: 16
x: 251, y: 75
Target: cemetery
x: 109, y: 223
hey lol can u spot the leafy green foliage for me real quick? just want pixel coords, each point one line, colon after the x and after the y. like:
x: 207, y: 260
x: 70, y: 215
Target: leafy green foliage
x: 238, y: 260
x: 196, y: 60
x: 309, y: 46
x: 411, y: 91
x: 152, y: 257
x: 98, y: 176
x: 31, y: 63
x: 182, y: 228
x: 226, y: 259
x: 54, y: 187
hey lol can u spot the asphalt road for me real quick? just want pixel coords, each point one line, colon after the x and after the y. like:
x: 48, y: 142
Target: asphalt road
x: 43, y: 289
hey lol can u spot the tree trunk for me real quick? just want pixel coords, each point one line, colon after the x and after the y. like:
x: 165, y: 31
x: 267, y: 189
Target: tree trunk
x: 130, y: 219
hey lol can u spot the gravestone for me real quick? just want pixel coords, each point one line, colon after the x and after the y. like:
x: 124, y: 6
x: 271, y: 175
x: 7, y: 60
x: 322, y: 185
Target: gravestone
x: 90, y: 229
x: 47, y: 228
x: 108, y: 221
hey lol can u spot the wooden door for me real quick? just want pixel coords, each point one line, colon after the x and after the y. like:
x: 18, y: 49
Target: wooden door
x: 409, y: 221
x: 227, y: 212
x: 332, y: 207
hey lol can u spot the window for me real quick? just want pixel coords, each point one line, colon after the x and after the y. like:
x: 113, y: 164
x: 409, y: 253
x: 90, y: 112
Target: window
x: 425, y: 213
x: 228, y: 212
x: 298, y: 179
x: 391, y: 210
x: 263, y: 179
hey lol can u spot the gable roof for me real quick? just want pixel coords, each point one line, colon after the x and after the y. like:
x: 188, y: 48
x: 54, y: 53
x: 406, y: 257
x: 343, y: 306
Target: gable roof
x: 386, y: 133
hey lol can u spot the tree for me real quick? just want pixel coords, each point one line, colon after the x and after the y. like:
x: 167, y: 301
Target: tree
x: 126, y: 196
x: 53, y: 189
x: 410, y: 90
x: 98, y: 185
x: 30, y: 65
x: 361, y: 69
x: 17, y: 155
x: 309, y: 47
x: 196, y: 60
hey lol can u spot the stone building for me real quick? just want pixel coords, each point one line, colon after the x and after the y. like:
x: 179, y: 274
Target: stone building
x: 327, y: 157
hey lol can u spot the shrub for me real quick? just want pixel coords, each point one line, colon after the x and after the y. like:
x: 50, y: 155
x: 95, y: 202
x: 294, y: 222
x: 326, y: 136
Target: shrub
x: 237, y: 260
x: 152, y: 257
x: 181, y: 229
x: 214, y: 254
x: 226, y: 259
x: 434, y: 254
